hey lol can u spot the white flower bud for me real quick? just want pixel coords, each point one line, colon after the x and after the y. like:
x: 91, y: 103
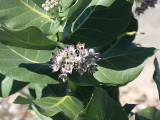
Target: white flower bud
x: 43, y: 5
x: 47, y: 9
x: 52, y: 6
x: 92, y: 51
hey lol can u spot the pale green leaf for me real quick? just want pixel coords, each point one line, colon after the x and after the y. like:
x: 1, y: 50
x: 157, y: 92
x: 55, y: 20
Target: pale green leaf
x: 27, y: 65
x: 31, y: 38
x: 50, y: 106
x: 122, y: 63
x: 20, y: 14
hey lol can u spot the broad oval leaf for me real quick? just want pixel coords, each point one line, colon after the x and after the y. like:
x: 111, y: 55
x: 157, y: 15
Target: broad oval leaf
x: 20, y: 14
x: 27, y: 65
x: 122, y: 63
x: 102, y: 107
x: 100, y: 23
x: 30, y: 38
x: 50, y: 106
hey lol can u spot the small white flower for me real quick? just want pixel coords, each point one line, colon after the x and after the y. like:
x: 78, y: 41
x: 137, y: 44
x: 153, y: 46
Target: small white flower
x: 84, y: 52
x: 67, y: 68
x: 59, y: 59
x: 52, y: 6
x: 79, y: 59
x: 63, y: 77
x: 55, y: 67
x: 80, y: 46
x: 71, y: 49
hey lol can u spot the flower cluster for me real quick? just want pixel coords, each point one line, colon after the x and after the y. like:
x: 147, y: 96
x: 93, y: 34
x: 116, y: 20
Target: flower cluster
x: 144, y: 5
x: 78, y: 59
x: 50, y: 4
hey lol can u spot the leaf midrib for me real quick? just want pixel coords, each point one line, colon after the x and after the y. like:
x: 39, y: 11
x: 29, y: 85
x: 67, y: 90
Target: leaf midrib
x: 86, y: 17
x: 32, y: 61
x: 26, y: 42
x: 34, y: 10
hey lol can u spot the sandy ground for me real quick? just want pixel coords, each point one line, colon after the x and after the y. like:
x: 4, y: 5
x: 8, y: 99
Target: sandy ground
x: 141, y: 91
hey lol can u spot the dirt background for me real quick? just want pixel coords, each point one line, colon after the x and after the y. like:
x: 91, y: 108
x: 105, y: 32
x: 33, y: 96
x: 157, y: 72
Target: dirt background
x: 141, y: 91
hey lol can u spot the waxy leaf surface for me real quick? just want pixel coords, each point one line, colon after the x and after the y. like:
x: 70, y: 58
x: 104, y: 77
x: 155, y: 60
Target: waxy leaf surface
x: 26, y: 65
x: 98, y: 21
x: 31, y: 38
x: 50, y: 106
x: 122, y: 63
x: 20, y: 14
x: 102, y: 107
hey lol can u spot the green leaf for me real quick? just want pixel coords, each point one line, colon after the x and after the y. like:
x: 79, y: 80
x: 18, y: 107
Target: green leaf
x: 100, y: 23
x: 22, y: 100
x: 2, y: 77
x: 31, y: 38
x: 156, y: 75
x: 38, y: 89
x: 66, y: 4
x: 8, y: 86
x: 102, y: 107
x: 20, y: 14
x: 150, y: 113
x: 76, y: 10
x: 85, y: 80
x: 27, y: 65
x: 40, y: 116
x: 128, y: 107
x: 55, y: 90
x: 50, y: 106
x: 122, y: 63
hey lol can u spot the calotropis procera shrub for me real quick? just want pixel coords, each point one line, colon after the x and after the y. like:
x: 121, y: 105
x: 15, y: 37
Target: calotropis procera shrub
x: 72, y: 55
